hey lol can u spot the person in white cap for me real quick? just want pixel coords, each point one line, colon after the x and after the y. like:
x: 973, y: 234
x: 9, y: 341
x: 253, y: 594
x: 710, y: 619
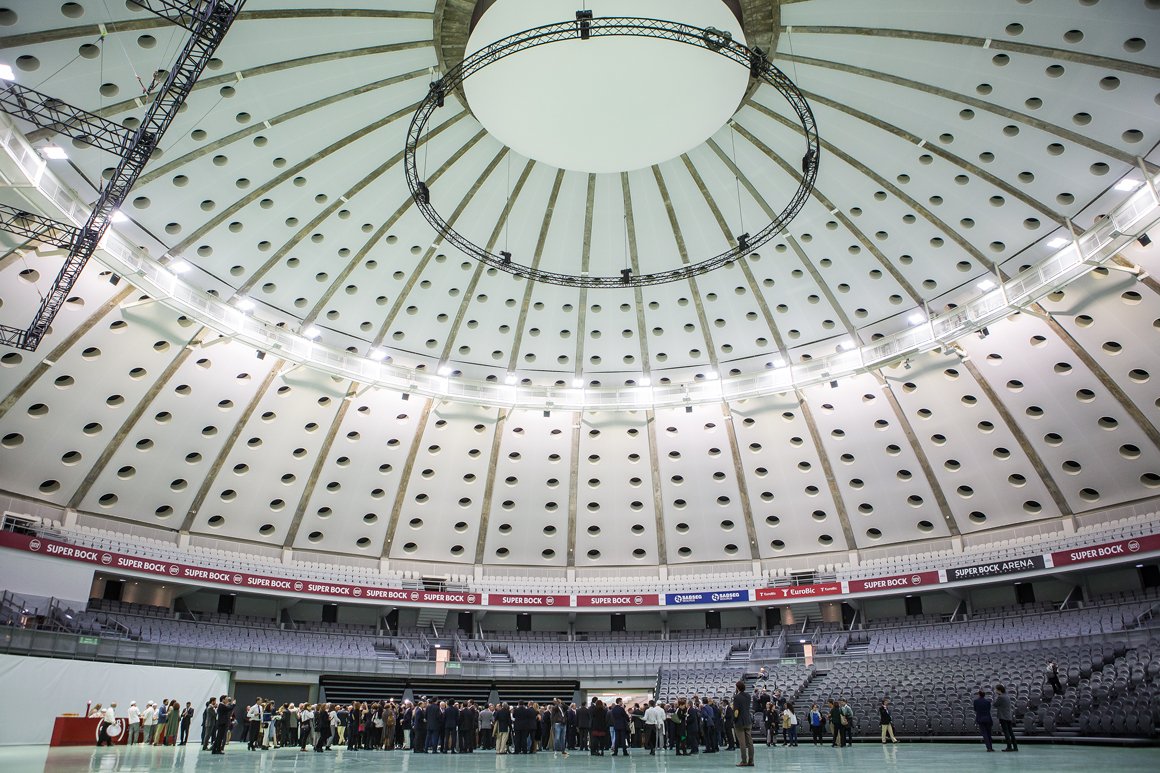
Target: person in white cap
x: 108, y: 719
x: 134, y: 724
x: 149, y: 717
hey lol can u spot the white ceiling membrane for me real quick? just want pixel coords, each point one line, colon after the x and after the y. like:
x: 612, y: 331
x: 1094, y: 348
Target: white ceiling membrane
x: 604, y: 105
x: 871, y: 380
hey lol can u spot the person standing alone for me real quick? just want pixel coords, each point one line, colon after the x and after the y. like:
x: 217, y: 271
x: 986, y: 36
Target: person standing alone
x: 743, y: 724
x: 886, y: 721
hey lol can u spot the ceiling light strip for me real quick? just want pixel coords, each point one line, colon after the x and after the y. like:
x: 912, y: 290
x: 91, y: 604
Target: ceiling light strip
x: 22, y: 166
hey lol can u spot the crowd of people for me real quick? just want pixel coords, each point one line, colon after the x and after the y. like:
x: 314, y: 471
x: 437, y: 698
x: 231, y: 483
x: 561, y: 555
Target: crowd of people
x: 689, y: 725
x: 692, y: 725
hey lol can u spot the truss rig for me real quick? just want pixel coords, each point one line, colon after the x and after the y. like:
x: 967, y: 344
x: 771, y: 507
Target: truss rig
x: 207, y: 22
x: 586, y: 27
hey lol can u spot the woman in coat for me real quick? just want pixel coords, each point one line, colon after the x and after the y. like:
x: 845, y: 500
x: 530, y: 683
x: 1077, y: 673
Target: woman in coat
x: 322, y: 726
x: 390, y: 720
x: 172, y: 724
x: 599, y: 734
x: 681, y: 727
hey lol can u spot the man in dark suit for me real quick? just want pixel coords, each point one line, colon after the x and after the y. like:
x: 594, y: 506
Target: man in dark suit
x: 435, y: 711
x: 208, y: 723
x: 468, y: 719
x: 450, y: 727
x: 618, y: 723
x: 709, y: 725
x: 583, y: 725
x: 570, y: 718
x: 524, y: 722
x: 419, y: 727
x: 225, y: 713
x: 186, y: 720
x: 743, y: 725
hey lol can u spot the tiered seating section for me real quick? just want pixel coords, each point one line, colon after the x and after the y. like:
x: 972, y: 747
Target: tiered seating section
x: 675, y: 682
x: 1007, y: 625
x: 1109, y: 690
x: 682, y: 647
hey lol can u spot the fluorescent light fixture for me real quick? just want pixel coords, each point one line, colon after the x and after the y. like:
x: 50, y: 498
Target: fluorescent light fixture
x: 577, y: 383
x: 6, y: 73
x: 1127, y: 185
x: 244, y: 303
x: 1059, y: 241
x: 119, y: 216
x: 510, y: 379
x: 917, y: 318
x: 445, y: 370
x: 645, y: 381
x: 54, y: 152
x: 312, y: 332
x: 378, y: 355
x: 845, y: 345
x: 179, y: 267
x: 711, y: 375
x: 986, y: 285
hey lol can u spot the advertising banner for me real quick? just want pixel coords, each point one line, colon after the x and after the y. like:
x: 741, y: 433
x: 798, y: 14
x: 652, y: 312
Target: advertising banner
x: 996, y: 568
x: 1118, y: 549
x: 526, y: 600
x: 798, y: 591
x: 168, y: 569
x: 707, y: 597
x: 619, y: 600
x: 896, y: 582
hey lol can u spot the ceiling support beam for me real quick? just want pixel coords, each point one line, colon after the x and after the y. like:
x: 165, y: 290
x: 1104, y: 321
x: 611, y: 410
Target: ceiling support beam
x: 405, y: 477
x: 489, y: 486
x: 228, y: 446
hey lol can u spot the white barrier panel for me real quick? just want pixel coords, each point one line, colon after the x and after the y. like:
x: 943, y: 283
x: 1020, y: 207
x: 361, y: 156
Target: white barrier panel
x: 40, y: 689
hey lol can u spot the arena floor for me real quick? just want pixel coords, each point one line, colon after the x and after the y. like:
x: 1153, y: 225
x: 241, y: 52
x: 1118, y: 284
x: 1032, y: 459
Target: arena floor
x: 928, y: 758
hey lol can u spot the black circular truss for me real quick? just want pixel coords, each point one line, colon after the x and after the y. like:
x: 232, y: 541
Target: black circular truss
x: 583, y: 28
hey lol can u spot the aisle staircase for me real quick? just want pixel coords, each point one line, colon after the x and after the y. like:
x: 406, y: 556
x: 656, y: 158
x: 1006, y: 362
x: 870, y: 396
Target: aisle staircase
x: 739, y: 653
x: 431, y: 616
x: 810, y: 611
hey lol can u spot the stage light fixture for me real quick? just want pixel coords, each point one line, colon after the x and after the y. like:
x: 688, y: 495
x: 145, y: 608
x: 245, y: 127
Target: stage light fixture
x: 584, y: 23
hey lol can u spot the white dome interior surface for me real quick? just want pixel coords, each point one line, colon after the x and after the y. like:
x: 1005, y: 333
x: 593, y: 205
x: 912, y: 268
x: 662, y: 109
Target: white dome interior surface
x: 960, y: 143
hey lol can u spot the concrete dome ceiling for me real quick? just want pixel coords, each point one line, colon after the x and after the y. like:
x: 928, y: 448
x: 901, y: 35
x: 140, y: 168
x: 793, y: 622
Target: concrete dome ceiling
x: 958, y: 140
